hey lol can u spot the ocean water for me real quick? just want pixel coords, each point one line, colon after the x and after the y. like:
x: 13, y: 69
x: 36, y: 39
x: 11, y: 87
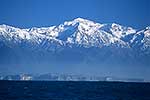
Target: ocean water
x: 52, y: 90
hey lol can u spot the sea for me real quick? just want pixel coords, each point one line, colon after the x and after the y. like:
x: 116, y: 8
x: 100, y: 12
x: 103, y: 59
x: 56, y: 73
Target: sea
x: 70, y: 90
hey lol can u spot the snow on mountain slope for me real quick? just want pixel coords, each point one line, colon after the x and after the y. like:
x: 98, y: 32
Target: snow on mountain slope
x: 142, y: 40
x: 81, y: 32
x: 120, y: 31
x: 13, y: 34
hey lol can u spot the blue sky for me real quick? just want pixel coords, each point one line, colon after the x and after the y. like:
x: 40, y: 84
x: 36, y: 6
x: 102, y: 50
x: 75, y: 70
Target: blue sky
x: 29, y: 13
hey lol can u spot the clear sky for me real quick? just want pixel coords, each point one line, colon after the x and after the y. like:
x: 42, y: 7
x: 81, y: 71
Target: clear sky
x: 29, y: 13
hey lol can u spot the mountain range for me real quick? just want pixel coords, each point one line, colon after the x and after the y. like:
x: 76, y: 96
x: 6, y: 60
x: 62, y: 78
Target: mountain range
x: 77, y: 46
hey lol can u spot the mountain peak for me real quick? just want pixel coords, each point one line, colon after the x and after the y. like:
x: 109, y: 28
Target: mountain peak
x: 82, y: 20
x: 79, y: 31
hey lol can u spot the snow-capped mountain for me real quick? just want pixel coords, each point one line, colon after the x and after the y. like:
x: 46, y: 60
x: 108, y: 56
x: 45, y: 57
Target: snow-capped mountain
x: 79, y: 32
x: 78, y: 41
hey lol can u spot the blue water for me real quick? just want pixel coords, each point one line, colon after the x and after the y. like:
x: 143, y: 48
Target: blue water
x: 47, y: 90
